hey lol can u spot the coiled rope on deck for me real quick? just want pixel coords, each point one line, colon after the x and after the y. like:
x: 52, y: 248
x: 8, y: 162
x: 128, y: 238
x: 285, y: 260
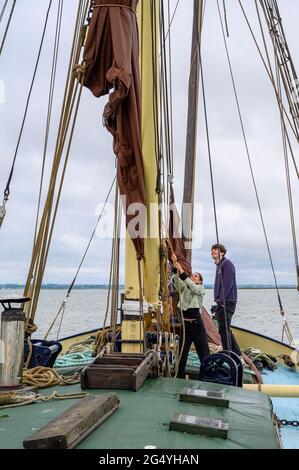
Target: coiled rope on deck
x: 13, y: 400
x: 44, y: 377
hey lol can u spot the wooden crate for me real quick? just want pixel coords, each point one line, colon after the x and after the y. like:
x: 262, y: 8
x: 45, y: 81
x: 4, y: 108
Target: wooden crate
x: 119, y: 371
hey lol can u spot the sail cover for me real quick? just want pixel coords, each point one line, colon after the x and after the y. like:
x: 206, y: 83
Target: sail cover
x: 111, y: 58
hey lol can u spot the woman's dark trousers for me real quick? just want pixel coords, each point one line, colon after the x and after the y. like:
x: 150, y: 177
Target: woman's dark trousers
x: 194, y: 333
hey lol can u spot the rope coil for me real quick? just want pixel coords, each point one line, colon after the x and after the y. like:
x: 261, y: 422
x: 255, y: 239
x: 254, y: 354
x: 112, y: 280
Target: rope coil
x: 44, y: 377
x: 13, y: 400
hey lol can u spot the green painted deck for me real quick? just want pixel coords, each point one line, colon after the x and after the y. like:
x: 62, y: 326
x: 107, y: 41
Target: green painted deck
x: 143, y: 417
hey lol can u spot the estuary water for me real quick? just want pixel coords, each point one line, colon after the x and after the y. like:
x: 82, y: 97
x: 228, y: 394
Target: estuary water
x: 257, y: 310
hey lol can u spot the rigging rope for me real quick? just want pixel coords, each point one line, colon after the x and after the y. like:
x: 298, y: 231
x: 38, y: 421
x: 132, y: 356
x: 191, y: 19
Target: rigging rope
x: 50, y: 106
x: 113, y: 289
x: 165, y: 165
x: 44, y: 377
x: 13, y: 400
x: 71, y: 101
x: 7, y: 188
x: 251, y: 167
x: 8, y: 22
x: 115, y: 272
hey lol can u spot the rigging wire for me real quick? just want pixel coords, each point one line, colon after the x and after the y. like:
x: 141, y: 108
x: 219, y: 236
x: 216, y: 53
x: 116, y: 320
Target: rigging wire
x: 69, y: 291
x: 166, y: 99
x: 170, y: 89
x: 228, y: 337
x: 153, y: 14
x: 225, y: 18
x: 7, y: 188
x: 268, y: 72
x: 285, y: 145
x: 70, y: 107
x: 289, y: 185
x: 279, y: 101
x: 285, y: 63
x: 113, y: 289
x: 8, y: 22
x: 171, y: 21
x: 91, y: 239
x: 3, y: 10
x: 250, y: 165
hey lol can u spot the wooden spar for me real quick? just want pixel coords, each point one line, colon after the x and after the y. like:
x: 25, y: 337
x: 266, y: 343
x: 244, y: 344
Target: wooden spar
x: 190, y: 159
x: 281, y: 391
x: 149, y: 77
x: 148, y: 17
x: 131, y: 271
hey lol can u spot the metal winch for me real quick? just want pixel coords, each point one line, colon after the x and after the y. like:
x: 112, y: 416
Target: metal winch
x: 12, y: 342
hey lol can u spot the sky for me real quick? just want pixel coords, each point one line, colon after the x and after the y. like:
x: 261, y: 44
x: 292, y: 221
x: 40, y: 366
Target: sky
x: 92, y: 164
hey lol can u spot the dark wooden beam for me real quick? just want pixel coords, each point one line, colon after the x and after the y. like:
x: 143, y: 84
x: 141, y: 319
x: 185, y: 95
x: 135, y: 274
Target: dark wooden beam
x: 190, y: 159
x: 70, y: 428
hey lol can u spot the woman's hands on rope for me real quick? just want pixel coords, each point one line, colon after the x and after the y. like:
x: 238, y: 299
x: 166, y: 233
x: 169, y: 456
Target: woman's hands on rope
x: 176, y: 265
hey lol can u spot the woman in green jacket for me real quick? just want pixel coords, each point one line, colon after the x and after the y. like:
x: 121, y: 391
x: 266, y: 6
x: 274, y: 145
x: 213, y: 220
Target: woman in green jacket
x: 191, y: 293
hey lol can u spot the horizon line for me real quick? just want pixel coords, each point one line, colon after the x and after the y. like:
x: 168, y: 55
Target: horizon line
x: 53, y: 285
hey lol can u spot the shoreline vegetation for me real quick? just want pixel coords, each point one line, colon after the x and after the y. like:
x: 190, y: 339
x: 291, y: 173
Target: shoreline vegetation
x: 105, y: 286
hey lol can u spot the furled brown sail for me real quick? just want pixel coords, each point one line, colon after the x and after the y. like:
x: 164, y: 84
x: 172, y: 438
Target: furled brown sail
x: 111, y: 57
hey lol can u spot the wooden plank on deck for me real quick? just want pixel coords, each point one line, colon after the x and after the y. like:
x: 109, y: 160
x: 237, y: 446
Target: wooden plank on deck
x: 70, y: 428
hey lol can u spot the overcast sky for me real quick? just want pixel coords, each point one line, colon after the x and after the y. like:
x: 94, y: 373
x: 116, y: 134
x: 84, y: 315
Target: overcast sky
x: 91, y: 167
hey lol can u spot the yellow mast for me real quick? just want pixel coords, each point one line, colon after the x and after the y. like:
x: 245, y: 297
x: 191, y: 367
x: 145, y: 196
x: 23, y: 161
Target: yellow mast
x: 132, y: 291
x: 148, y: 19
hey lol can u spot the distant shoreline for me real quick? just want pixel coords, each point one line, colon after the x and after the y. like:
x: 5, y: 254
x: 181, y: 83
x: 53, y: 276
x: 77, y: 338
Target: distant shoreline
x: 105, y: 287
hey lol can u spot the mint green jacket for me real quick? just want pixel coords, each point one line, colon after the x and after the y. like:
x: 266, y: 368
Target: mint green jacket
x: 191, y: 295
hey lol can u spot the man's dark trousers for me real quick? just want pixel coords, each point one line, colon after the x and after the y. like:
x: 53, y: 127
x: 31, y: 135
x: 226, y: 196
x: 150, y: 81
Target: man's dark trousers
x: 225, y: 330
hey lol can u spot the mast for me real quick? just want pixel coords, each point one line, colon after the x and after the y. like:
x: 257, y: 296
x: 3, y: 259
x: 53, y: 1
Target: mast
x: 190, y: 159
x: 148, y: 19
x: 149, y: 50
